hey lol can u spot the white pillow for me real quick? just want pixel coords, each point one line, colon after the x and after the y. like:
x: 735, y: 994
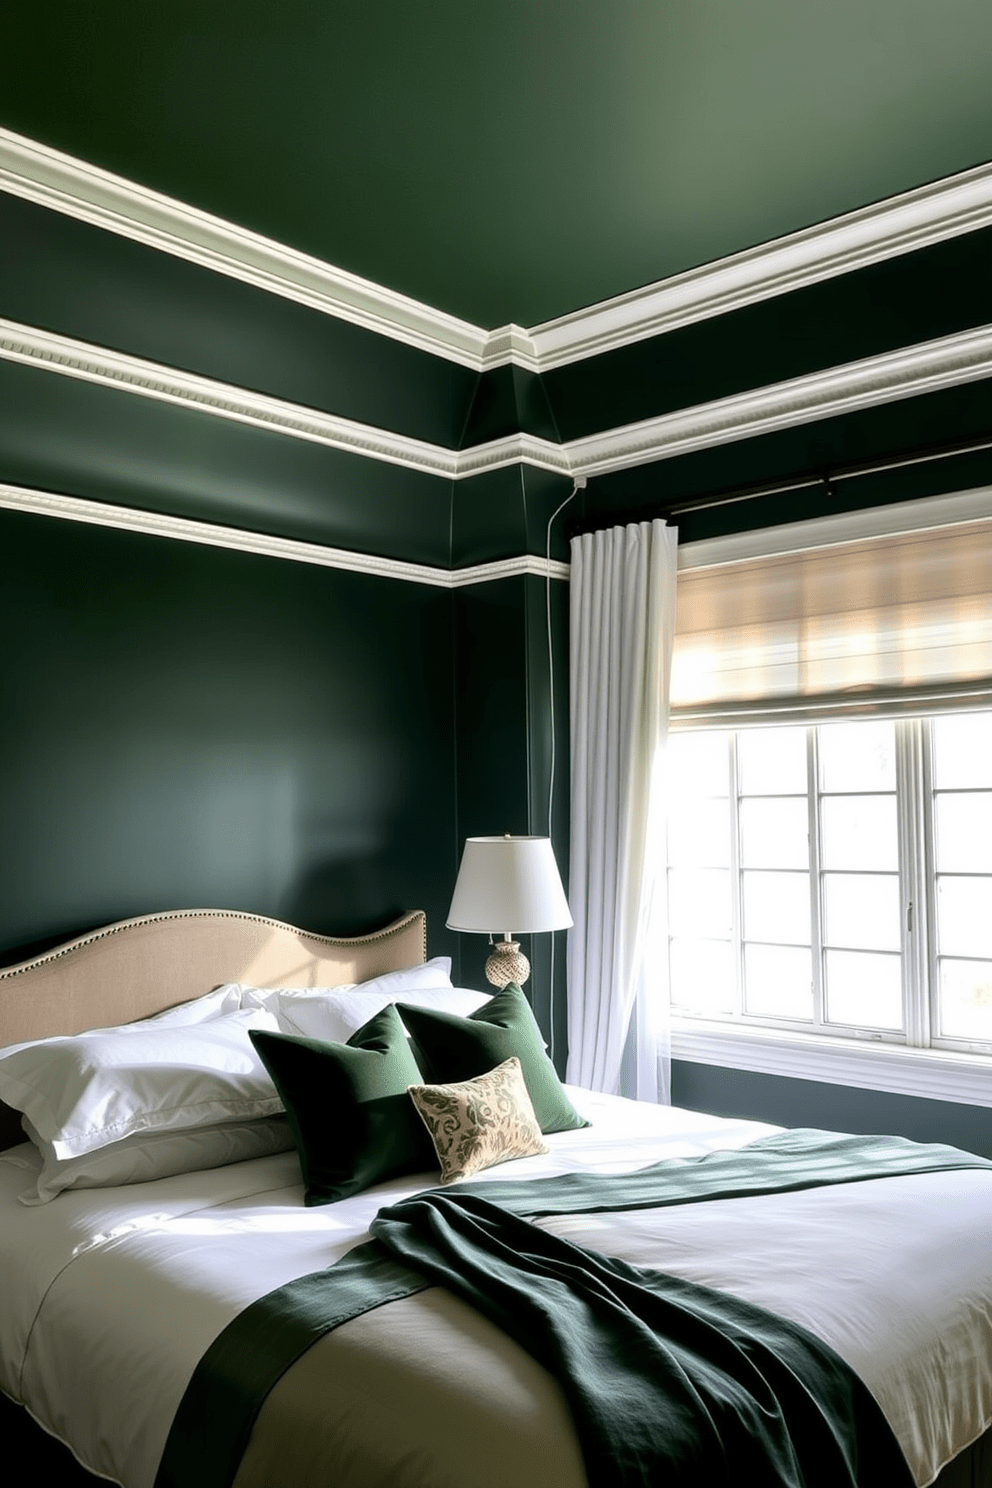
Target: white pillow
x: 434, y: 973
x: 336, y: 1015
x: 85, y: 1092
x: 201, y: 1010
x: 147, y: 1155
x: 333, y: 1014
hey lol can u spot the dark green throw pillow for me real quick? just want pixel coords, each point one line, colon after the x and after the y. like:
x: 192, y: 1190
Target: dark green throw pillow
x: 449, y: 1049
x: 352, y: 1120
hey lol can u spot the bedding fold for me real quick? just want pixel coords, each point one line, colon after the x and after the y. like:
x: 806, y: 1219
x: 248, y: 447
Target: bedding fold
x: 629, y: 1347
x: 666, y: 1380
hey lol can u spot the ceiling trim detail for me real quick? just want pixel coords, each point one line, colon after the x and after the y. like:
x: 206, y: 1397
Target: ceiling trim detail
x: 915, y: 219
x: 52, y: 352
x: 513, y: 449
x: 131, y: 374
x: 511, y: 345
x: 908, y: 372
x: 209, y: 534
x: 91, y: 194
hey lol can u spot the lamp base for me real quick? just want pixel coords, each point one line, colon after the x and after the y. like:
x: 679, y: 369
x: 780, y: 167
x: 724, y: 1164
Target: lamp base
x: 507, y: 963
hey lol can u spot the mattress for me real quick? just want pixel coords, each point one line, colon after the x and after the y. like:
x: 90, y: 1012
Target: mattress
x: 111, y: 1296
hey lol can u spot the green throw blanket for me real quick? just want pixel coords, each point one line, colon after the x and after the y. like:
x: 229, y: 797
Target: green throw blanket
x: 667, y: 1381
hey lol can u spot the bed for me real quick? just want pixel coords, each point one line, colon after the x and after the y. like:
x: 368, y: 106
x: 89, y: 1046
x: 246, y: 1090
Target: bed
x: 110, y: 1295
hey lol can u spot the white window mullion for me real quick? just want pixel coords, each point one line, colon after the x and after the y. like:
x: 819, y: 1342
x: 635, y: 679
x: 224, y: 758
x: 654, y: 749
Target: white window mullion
x: 815, y: 884
x: 736, y: 877
x: 915, y: 820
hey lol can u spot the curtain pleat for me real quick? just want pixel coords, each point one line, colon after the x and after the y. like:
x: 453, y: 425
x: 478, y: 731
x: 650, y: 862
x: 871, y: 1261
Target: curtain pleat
x: 622, y: 628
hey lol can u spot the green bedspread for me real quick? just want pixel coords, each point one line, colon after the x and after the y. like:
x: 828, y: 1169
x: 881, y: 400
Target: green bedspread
x: 666, y: 1380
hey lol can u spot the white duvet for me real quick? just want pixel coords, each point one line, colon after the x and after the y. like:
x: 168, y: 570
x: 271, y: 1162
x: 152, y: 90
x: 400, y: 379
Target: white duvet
x: 111, y: 1296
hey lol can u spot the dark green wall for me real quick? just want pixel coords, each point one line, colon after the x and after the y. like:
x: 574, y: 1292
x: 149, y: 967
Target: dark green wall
x: 787, y: 1102
x: 235, y: 730
x: 503, y: 733
x: 504, y: 513
x: 183, y: 725
x: 62, y: 434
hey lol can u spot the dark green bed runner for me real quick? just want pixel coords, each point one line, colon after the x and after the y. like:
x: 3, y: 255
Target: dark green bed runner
x: 663, y: 1377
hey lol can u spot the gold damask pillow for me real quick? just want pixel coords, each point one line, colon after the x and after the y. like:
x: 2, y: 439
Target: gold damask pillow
x: 478, y: 1123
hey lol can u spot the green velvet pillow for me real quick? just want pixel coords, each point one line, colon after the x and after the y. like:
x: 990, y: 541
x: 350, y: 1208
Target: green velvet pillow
x: 352, y: 1120
x: 450, y: 1049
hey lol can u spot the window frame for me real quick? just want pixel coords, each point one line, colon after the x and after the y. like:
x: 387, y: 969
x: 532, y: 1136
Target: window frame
x: 912, y: 1060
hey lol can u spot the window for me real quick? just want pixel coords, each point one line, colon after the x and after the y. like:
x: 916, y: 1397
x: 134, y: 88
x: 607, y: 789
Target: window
x: 830, y: 844
x: 835, y: 880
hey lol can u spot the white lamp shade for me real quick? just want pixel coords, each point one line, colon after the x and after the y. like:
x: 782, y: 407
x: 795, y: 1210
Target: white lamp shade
x: 510, y: 884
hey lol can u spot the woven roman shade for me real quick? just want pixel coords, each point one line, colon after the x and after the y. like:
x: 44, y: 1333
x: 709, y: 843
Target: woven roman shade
x: 881, y: 625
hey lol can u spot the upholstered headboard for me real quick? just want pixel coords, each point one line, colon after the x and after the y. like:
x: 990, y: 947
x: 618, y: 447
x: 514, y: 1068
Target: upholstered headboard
x: 137, y: 967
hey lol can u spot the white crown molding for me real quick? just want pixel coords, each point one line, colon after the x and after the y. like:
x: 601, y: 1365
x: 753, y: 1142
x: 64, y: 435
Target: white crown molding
x: 936, y: 1074
x: 513, y: 449
x: 508, y: 568
x: 510, y: 345
x: 930, y: 214
x: 132, y: 374
x: 126, y: 373
x: 906, y: 373
x: 209, y: 534
x: 914, y: 219
x: 91, y: 194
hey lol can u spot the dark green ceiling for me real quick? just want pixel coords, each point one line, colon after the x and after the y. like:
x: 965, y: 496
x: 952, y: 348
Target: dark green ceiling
x: 510, y: 159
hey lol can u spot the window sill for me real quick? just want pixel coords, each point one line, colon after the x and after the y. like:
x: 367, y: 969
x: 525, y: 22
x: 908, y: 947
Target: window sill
x: 937, y: 1074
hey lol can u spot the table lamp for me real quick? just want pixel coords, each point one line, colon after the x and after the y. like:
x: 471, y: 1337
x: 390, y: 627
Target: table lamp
x: 508, y: 881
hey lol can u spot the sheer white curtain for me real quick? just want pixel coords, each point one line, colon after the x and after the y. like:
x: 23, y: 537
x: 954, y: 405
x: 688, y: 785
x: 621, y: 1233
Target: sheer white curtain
x: 622, y: 626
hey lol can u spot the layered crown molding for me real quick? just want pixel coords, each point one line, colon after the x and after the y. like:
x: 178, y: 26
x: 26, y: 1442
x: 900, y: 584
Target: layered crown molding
x: 930, y: 366
x: 90, y: 194
x: 914, y: 219
x: 52, y: 352
x: 909, y: 372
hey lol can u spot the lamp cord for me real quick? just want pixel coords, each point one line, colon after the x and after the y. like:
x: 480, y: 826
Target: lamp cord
x: 579, y: 484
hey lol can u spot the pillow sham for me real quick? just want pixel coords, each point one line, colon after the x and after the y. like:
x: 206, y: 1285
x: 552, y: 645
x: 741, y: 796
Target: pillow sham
x: 433, y: 973
x: 476, y: 1124
x: 85, y: 1092
x: 216, y: 1004
x: 449, y: 1048
x: 352, y: 1120
x: 334, y: 1016
x: 148, y: 1155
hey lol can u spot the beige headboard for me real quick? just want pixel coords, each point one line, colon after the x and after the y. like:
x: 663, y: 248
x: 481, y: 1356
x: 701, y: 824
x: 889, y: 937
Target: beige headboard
x: 138, y: 967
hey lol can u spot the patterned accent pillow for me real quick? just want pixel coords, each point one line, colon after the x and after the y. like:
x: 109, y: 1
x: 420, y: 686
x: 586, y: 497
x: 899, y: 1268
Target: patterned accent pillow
x: 478, y: 1123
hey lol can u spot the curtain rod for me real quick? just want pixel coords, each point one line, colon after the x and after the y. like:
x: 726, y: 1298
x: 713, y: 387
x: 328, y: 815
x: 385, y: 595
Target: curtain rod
x: 827, y: 478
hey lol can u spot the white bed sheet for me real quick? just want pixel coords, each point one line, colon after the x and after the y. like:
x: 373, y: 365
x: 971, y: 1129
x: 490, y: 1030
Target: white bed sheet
x: 111, y: 1296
